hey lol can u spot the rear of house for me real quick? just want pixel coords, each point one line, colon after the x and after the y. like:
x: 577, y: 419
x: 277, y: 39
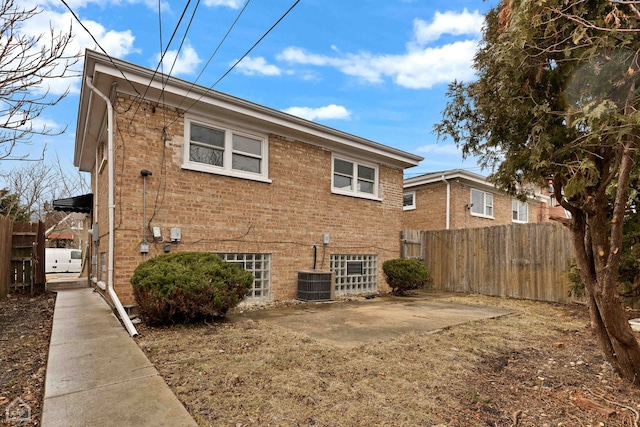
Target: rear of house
x: 198, y: 170
x: 456, y: 199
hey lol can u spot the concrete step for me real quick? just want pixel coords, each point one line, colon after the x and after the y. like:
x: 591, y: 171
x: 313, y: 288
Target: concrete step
x: 60, y: 284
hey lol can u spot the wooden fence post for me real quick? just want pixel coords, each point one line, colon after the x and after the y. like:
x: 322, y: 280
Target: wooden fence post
x: 6, y: 231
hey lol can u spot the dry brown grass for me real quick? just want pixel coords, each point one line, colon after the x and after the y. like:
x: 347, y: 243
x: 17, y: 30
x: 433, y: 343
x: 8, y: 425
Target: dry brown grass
x: 530, y: 368
x: 25, y: 330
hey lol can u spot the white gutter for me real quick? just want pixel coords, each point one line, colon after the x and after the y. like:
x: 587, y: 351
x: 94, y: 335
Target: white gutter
x: 112, y: 293
x: 448, y: 202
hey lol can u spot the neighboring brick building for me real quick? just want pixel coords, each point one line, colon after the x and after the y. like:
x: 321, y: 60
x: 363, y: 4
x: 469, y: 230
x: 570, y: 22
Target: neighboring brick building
x: 457, y: 199
x: 273, y: 192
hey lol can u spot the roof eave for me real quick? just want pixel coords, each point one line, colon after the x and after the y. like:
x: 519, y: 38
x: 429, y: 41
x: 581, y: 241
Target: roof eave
x: 97, y: 63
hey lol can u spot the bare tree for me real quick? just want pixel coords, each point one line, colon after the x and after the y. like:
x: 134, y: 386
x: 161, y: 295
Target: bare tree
x: 26, y: 64
x: 37, y: 184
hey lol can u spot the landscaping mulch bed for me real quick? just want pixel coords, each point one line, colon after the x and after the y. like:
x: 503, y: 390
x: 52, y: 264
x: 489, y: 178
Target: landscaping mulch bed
x: 25, y: 331
x: 537, y: 367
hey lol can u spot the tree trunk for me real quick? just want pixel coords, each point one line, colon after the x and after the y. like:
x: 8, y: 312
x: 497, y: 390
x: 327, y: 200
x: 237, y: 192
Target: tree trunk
x: 597, y: 245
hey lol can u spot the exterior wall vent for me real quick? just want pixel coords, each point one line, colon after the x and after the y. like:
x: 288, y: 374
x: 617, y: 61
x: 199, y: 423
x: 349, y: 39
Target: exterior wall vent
x: 316, y: 285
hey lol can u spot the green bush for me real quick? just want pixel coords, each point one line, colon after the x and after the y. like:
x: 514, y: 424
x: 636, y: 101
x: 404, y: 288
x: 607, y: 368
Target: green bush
x: 576, y: 285
x: 188, y: 286
x: 406, y: 274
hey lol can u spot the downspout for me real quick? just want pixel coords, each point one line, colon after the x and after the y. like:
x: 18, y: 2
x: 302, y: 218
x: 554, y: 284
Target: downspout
x: 112, y: 207
x: 448, y: 214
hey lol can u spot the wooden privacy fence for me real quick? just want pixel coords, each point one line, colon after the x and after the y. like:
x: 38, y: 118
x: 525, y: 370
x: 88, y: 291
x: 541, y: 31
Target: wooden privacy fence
x: 6, y: 230
x: 520, y: 260
x: 21, y: 256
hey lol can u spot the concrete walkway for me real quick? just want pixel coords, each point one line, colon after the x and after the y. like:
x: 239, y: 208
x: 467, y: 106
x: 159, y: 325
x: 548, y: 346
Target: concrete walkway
x: 97, y: 375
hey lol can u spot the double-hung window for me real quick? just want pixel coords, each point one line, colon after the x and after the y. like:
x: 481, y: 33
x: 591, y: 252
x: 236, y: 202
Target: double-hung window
x: 219, y: 149
x: 354, y: 178
x: 409, y: 201
x: 481, y: 203
x: 519, y: 211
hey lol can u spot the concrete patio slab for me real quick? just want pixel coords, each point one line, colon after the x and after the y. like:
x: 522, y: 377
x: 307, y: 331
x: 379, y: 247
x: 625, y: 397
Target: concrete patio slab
x: 97, y: 375
x: 350, y: 324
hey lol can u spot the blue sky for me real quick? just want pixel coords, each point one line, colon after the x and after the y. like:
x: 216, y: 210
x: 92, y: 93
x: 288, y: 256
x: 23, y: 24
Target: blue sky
x: 378, y: 69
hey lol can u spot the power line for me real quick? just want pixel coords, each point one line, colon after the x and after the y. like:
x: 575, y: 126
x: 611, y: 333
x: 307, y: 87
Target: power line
x: 99, y: 46
x: 160, y: 49
x: 184, y: 37
x: 255, y: 44
x: 160, y: 62
x: 215, y: 52
x: 164, y: 178
x: 175, y: 59
x: 242, y: 57
x: 160, y: 27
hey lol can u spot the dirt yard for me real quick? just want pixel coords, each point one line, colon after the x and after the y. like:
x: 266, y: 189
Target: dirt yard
x: 539, y: 366
x: 25, y: 330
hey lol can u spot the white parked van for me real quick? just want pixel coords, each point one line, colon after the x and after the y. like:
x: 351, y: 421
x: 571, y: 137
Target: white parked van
x: 58, y: 260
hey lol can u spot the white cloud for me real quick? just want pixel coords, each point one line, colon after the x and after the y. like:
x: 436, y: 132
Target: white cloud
x: 323, y: 113
x: 416, y: 69
x: 37, y: 124
x: 422, y: 69
x: 446, y: 149
x: 233, y: 4
x: 116, y: 43
x: 251, y: 66
x: 419, y: 67
x: 186, y: 63
x: 76, y: 5
x: 359, y: 65
x: 40, y: 123
x: 453, y: 23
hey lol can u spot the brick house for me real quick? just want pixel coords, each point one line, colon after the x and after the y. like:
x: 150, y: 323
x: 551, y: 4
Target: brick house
x: 180, y: 167
x: 457, y: 199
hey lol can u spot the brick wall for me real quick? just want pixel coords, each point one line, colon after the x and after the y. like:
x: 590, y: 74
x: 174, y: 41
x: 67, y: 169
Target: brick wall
x: 431, y: 202
x: 224, y: 214
x: 431, y: 206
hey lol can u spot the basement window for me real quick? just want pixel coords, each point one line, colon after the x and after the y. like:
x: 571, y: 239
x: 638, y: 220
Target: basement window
x: 257, y: 264
x: 355, y: 274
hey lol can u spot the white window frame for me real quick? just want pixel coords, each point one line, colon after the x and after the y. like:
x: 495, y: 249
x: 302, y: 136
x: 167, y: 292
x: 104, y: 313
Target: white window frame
x: 226, y: 168
x: 482, y: 214
x: 412, y: 206
x: 353, y: 191
x: 515, y: 211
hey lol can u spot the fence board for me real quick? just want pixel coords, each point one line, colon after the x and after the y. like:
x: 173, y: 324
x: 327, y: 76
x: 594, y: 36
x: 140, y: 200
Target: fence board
x: 520, y: 260
x: 27, y: 257
x: 6, y: 229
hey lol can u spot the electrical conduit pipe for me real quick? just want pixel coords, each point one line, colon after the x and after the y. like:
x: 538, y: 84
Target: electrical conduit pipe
x: 112, y: 293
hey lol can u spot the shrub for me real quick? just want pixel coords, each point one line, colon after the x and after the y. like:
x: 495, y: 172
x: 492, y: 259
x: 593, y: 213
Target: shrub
x: 188, y: 286
x: 406, y: 274
x: 576, y: 285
